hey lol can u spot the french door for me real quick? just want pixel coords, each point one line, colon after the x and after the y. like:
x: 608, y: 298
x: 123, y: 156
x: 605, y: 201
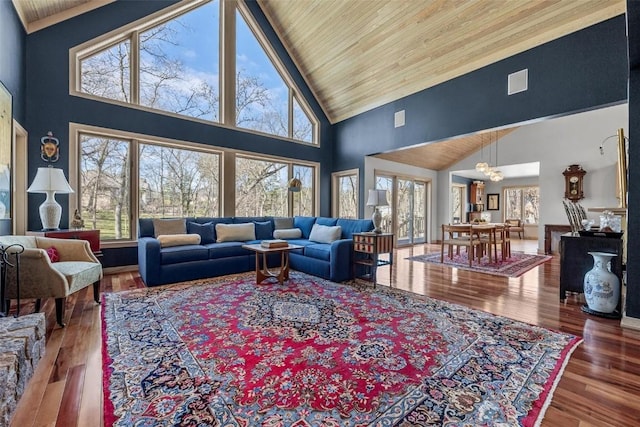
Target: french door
x: 406, y: 214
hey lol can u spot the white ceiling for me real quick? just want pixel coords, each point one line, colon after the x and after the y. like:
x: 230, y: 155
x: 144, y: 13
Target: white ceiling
x: 521, y: 170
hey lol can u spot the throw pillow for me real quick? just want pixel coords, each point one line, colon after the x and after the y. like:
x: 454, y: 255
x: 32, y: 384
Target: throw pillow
x: 54, y: 255
x: 264, y: 230
x: 167, y: 240
x: 236, y: 232
x: 169, y: 226
x: 287, y: 233
x: 206, y: 232
x: 283, y: 223
x: 324, y: 233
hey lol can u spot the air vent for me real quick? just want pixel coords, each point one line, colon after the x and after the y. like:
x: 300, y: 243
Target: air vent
x: 398, y: 119
x: 518, y: 81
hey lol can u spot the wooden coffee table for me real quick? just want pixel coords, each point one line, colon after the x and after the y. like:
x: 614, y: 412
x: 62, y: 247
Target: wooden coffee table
x: 262, y: 272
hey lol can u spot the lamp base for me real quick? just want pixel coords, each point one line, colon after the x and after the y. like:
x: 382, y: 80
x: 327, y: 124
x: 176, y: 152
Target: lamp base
x: 376, y: 218
x: 50, y: 213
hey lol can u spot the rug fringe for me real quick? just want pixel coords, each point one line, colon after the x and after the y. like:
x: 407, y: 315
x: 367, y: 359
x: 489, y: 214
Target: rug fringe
x: 556, y: 381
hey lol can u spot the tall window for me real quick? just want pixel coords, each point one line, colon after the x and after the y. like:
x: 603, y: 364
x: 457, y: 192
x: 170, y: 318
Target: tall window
x: 457, y: 203
x: 522, y: 203
x: 104, y: 185
x: 386, y: 183
x: 345, y: 191
x: 178, y: 182
x: 174, y: 64
x: 261, y: 188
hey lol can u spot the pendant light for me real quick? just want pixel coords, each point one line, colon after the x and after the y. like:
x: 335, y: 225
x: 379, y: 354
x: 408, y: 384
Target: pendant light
x: 482, y: 166
x: 496, y: 174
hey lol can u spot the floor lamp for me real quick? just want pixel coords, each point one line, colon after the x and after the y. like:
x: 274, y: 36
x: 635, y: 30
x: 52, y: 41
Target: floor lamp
x: 50, y: 181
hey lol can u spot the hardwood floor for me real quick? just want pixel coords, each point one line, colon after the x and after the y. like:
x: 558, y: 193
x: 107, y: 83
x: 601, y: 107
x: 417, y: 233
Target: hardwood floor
x: 600, y: 386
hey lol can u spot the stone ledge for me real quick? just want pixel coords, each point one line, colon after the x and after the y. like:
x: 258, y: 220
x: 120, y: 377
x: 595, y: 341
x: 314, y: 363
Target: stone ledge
x: 22, y: 345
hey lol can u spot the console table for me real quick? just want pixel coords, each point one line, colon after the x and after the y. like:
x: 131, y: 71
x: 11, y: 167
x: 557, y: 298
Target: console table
x: 575, y: 260
x: 549, y: 229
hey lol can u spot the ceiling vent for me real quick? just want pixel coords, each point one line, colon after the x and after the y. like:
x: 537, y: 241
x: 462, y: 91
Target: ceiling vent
x: 518, y: 81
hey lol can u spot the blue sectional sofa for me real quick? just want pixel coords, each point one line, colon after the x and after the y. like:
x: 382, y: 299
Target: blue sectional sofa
x: 159, y: 264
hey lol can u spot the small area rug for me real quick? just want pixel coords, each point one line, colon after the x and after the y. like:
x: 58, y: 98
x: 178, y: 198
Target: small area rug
x: 518, y: 264
x: 311, y: 352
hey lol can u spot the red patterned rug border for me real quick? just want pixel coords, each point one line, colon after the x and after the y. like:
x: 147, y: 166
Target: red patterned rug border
x: 496, y: 269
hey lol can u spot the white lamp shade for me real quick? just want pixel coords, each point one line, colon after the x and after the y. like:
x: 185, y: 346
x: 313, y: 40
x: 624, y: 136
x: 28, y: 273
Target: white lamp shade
x: 50, y: 179
x: 377, y: 198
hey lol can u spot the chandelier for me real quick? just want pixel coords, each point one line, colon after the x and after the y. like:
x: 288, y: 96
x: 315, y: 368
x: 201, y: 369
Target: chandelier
x: 482, y: 166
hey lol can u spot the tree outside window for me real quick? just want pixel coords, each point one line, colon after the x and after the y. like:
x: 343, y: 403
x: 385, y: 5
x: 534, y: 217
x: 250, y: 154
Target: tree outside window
x: 522, y: 203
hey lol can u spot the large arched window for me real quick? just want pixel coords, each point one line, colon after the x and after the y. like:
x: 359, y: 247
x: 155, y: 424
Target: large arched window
x: 172, y: 63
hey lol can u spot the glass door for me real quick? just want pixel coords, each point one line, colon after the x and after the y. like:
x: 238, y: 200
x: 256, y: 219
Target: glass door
x: 411, y: 211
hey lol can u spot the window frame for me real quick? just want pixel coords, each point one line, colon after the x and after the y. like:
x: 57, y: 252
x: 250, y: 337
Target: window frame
x: 227, y: 158
x: 335, y: 190
x: 504, y: 203
x: 227, y: 71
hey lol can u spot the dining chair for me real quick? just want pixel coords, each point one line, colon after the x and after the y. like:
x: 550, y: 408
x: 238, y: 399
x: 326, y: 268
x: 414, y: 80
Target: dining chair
x: 488, y: 240
x: 457, y: 236
x: 515, y: 226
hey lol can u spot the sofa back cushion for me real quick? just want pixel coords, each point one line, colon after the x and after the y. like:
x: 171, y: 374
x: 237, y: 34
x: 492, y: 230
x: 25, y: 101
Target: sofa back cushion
x: 282, y: 223
x: 304, y: 223
x: 326, y: 221
x: 169, y: 226
x: 235, y: 232
x: 324, y: 233
x: 207, y: 231
x: 264, y: 230
x: 350, y: 226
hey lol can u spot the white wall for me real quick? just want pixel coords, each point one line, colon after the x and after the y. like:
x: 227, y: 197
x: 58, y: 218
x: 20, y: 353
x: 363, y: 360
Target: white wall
x: 556, y: 144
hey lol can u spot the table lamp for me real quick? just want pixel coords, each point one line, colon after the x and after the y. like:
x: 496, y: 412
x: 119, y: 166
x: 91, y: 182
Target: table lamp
x: 50, y: 181
x: 377, y: 198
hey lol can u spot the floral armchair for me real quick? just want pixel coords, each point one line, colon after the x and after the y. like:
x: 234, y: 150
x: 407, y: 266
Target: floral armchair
x: 52, y: 273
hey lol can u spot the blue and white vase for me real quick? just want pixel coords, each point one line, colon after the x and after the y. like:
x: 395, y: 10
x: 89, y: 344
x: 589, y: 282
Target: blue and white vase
x: 601, y: 286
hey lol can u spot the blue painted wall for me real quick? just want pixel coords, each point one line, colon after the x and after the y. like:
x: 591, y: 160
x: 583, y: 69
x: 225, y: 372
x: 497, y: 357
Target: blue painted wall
x: 580, y: 71
x: 52, y: 108
x: 12, y: 42
x: 633, y: 213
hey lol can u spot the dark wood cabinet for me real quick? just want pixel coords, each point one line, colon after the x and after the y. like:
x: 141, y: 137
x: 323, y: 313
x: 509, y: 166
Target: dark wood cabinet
x: 575, y: 260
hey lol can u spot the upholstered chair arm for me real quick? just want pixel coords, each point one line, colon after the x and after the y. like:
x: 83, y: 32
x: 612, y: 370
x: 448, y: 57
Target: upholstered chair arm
x: 38, y: 279
x: 68, y: 249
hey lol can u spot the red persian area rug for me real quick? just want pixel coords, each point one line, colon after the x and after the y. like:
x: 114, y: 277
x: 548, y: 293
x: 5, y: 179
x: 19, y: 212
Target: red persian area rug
x: 515, y: 266
x: 311, y: 352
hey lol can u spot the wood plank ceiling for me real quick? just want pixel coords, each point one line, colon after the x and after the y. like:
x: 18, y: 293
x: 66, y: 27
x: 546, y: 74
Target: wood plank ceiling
x: 357, y: 54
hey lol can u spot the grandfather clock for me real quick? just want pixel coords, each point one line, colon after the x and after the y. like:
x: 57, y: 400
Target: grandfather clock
x: 573, y: 177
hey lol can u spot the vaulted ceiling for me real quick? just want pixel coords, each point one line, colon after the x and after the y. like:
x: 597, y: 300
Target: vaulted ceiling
x: 359, y: 54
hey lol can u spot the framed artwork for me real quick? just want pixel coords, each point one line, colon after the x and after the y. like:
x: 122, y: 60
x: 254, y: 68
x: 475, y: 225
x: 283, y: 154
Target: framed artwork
x: 6, y: 136
x: 493, y: 202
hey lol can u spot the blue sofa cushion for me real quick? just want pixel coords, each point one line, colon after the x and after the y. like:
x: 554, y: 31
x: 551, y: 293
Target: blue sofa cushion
x: 350, y: 226
x: 245, y: 219
x: 304, y: 223
x: 184, y: 253
x: 321, y: 220
x: 206, y: 231
x: 264, y: 230
x: 226, y: 249
x: 318, y: 250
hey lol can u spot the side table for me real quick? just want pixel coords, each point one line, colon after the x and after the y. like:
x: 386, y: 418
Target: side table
x: 367, y: 248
